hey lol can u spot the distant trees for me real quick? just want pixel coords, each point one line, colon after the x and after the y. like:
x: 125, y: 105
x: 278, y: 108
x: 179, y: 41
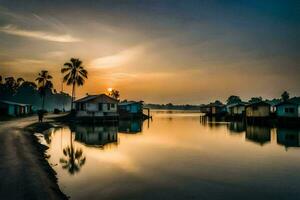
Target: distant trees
x: 114, y: 94
x: 285, y: 96
x: 24, y: 91
x: 218, y: 102
x: 74, y: 75
x: 255, y: 99
x: 44, y: 84
x: 233, y: 99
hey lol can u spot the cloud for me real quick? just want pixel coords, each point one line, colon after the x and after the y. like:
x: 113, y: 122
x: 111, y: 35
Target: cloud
x: 118, y: 59
x: 13, y: 30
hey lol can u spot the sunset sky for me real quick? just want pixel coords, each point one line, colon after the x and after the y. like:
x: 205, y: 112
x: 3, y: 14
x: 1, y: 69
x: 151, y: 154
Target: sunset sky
x: 159, y: 51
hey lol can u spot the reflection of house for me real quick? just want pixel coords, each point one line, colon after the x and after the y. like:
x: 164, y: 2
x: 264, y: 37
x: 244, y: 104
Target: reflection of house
x: 289, y: 137
x: 237, y: 127
x: 96, y: 106
x: 288, y: 109
x: 130, y: 109
x: 258, y: 134
x: 129, y: 126
x: 14, y: 109
x: 96, y: 135
x: 259, y: 109
x: 236, y: 109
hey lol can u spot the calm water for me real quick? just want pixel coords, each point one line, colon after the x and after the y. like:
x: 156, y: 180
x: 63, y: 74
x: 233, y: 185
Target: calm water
x: 176, y: 156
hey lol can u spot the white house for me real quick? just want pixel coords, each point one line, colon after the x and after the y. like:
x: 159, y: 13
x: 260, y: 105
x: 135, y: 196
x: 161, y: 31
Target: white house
x: 236, y: 109
x: 98, y: 106
x: 259, y: 110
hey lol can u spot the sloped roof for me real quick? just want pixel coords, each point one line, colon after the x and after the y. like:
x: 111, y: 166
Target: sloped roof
x: 129, y: 103
x: 14, y: 103
x: 237, y: 104
x: 264, y: 103
x: 105, y: 98
x: 287, y: 103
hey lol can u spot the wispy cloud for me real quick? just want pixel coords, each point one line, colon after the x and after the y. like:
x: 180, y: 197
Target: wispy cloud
x: 14, y: 30
x: 118, y: 59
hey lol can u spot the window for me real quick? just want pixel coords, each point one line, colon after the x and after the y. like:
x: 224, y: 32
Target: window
x: 291, y: 110
x: 108, y: 106
x: 255, y: 107
x: 100, y: 106
x: 112, y: 105
x: 286, y: 110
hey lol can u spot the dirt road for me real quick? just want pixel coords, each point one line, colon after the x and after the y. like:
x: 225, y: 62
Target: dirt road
x: 24, y: 174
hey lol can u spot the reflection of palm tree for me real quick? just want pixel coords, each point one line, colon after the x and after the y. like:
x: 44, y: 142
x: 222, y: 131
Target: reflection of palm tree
x: 74, y: 158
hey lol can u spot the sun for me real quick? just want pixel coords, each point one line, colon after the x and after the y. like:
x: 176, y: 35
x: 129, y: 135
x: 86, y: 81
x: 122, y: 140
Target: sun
x: 109, y: 89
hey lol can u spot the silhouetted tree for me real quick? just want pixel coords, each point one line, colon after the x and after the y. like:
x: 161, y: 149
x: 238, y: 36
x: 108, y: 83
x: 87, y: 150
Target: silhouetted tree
x: 285, y: 96
x: 255, y: 99
x: 217, y: 102
x: 114, y: 94
x: 75, y: 75
x: 44, y: 84
x: 233, y: 99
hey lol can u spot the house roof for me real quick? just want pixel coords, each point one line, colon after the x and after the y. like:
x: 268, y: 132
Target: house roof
x: 287, y: 103
x: 103, y: 97
x: 129, y: 103
x: 237, y: 104
x: 261, y: 103
x: 14, y: 103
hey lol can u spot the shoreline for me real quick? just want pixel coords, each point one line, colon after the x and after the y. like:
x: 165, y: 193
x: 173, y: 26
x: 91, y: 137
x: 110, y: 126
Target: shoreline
x: 25, y: 170
x: 41, y: 151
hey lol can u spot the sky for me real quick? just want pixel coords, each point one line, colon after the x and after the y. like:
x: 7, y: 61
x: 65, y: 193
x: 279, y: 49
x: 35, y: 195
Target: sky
x: 159, y: 51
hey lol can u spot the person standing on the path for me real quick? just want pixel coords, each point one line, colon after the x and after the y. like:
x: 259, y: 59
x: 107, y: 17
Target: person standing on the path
x: 41, y: 115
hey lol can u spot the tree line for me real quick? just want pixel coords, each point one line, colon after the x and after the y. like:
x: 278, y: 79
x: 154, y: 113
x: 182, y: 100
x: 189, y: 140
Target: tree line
x: 41, y: 93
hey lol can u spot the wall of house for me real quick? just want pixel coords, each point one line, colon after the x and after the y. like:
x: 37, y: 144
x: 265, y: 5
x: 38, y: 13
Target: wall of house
x: 238, y: 110
x: 261, y: 111
x: 281, y: 111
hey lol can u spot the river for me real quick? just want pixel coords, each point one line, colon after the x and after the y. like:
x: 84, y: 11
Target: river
x: 176, y: 155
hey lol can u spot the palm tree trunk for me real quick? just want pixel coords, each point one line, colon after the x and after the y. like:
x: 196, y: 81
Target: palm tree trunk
x: 73, y: 95
x: 43, y: 103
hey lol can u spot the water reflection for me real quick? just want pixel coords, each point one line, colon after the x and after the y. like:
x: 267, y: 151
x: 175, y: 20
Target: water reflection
x: 288, y: 137
x: 96, y: 135
x: 176, y: 157
x: 130, y: 126
x: 258, y: 134
x: 237, y: 127
x: 73, y: 158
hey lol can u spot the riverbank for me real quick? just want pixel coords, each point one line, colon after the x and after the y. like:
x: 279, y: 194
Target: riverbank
x: 24, y: 169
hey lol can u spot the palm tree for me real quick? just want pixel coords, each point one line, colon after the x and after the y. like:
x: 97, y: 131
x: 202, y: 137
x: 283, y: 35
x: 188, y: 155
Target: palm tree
x: 44, y: 83
x: 114, y: 94
x: 75, y: 75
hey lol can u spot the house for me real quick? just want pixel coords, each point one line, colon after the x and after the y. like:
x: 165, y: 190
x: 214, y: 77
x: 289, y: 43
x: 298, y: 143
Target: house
x: 236, y: 109
x: 288, y: 109
x: 273, y: 104
x: 14, y: 109
x: 131, y: 107
x: 216, y: 109
x: 97, y: 106
x: 258, y: 110
x: 96, y: 135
